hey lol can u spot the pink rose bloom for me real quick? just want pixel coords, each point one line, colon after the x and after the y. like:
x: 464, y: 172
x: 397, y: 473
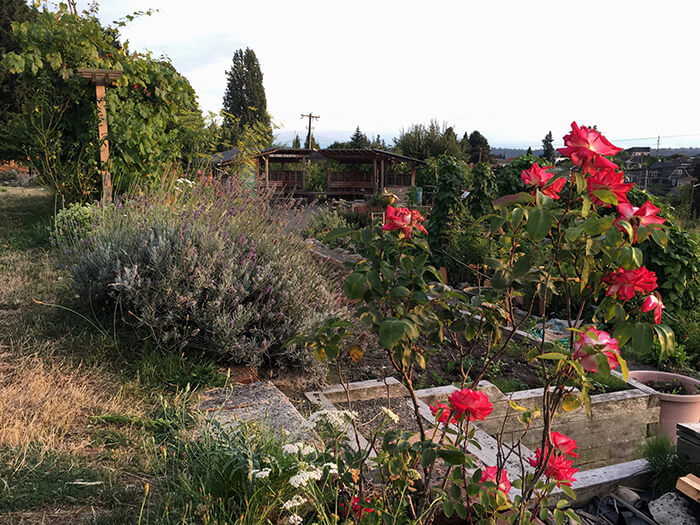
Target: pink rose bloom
x: 403, y: 219
x: 653, y: 302
x: 611, y: 180
x: 624, y: 283
x: 489, y: 474
x: 645, y: 215
x: 594, y: 341
x: 473, y: 402
x: 586, y: 147
x: 538, y: 176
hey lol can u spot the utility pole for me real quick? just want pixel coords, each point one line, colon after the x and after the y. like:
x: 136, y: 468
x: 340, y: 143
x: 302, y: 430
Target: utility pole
x: 308, y: 136
x: 658, y: 143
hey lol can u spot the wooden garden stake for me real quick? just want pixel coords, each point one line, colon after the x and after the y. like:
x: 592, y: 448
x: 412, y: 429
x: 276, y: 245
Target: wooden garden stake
x: 100, y: 78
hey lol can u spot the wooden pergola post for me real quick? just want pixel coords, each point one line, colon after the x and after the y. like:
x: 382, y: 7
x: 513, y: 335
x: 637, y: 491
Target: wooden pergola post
x: 381, y: 175
x: 328, y: 175
x: 375, y: 176
x: 267, y: 171
x: 303, y: 173
x: 100, y: 78
x: 413, y: 173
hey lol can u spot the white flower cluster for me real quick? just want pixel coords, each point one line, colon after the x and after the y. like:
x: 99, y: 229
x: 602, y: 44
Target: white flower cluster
x: 295, y: 519
x: 412, y: 474
x: 296, y: 501
x: 299, y: 446
x: 332, y: 468
x: 336, y: 418
x: 390, y: 414
x: 260, y: 474
x: 303, y: 477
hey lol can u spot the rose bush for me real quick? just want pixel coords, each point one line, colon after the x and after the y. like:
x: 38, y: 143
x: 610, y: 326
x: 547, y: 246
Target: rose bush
x: 572, y: 234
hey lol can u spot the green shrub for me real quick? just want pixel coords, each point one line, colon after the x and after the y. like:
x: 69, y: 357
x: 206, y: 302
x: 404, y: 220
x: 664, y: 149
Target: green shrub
x: 76, y: 221
x: 324, y: 221
x: 204, y: 268
x: 664, y: 464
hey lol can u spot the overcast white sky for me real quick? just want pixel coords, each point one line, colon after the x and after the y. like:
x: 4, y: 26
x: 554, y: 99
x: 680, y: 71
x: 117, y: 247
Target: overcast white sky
x: 513, y: 69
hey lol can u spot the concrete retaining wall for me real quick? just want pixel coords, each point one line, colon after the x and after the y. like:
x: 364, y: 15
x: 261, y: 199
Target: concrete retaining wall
x: 615, y: 433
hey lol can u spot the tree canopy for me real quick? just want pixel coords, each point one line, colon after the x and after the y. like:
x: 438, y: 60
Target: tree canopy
x: 54, y: 128
x: 245, y: 103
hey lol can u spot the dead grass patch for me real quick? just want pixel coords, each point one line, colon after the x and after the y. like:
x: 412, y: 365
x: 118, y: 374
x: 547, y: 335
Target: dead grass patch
x: 48, y: 401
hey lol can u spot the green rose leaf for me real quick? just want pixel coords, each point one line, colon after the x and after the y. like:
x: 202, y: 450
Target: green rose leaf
x: 355, y: 285
x: 539, y: 223
x: 390, y: 332
x: 509, y: 200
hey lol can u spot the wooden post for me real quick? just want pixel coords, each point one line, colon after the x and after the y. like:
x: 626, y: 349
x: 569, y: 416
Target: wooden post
x: 283, y: 174
x: 413, y: 173
x: 104, y: 144
x: 328, y: 175
x: 303, y: 173
x: 375, y: 178
x: 381, y: 175
x: 267, y: 172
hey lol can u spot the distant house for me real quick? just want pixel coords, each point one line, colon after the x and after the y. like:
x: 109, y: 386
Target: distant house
x: 662, y: 176
x: 637, y: 156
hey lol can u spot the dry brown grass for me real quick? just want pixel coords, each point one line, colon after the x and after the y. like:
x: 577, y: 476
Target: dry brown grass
x: 48, y: 401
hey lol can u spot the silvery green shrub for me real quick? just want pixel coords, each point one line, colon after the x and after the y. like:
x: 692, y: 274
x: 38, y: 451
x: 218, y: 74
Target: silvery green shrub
x: 205, y: 267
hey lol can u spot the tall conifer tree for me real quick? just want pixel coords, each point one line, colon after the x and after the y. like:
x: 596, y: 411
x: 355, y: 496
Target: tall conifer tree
x: 245, y: 103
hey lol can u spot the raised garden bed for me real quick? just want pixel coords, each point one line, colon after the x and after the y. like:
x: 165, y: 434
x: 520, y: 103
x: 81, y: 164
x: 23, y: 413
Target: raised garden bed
x: 609, y: 453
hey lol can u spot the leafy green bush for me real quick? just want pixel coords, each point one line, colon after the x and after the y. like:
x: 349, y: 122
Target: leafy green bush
x: 76, y: 221
x: 207, y: 267
x: 325, y: 220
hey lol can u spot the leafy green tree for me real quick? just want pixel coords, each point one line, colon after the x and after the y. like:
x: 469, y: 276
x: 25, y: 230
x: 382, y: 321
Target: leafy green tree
x: 452, y: 175
x: 10, y: 11
x: 508, y: 179
x: 55, y: 128
x: 245, y: 103
x: 378, y: 143
x: 313, y: 145
x: 465, y: 146
x: 296, y: 143
x: 483, y: 190
x: 547, y: 145
x: 358, y: 140
x: 479, y: 147
x: 423, y: 142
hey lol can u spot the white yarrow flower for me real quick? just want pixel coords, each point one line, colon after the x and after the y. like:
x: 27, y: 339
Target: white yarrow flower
x: 294, y: 448
x: 332, y: 468
x: 295, y: 519
x: 390, y: 414
x: 262, y: 474
x: 293, y: 503
x: 303, y: 477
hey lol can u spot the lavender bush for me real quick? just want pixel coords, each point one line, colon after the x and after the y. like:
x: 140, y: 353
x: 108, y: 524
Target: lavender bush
x: 209, y: 266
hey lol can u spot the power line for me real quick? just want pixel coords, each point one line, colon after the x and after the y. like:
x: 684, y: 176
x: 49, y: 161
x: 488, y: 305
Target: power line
x: 308, y: 136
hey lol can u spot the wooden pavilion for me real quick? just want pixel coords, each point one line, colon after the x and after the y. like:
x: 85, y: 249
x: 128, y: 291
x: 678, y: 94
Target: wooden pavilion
x: 349, y: 172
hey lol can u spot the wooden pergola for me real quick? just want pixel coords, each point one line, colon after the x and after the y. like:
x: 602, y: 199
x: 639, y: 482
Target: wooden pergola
x: 363, y: 171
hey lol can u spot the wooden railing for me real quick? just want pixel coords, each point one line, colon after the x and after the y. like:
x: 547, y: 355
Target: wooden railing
x: 286, y: 179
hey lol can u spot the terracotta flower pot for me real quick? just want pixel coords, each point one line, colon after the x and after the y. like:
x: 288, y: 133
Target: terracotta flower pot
x: 674, y: 408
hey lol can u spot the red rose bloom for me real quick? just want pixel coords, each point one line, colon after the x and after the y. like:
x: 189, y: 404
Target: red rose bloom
x: 586, y: 147
x: 538, y: 176
x: 357, y: 509
x: 489, y: 474
x: 558, y: 467
x: 624, y: 283
x: 473, y: 402
x: 611, y: 180
x: 645, y: 215
x: 653, y: 302
x: 444, y: 414
x: 403, y: 219
x: 564, y: 444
